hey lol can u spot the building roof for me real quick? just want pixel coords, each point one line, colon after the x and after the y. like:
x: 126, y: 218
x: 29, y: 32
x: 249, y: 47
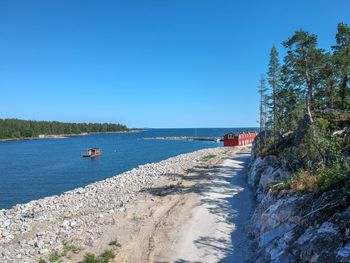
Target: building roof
x: 231, y: 132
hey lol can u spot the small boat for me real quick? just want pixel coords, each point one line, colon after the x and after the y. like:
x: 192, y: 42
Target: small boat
x: 93, y: 152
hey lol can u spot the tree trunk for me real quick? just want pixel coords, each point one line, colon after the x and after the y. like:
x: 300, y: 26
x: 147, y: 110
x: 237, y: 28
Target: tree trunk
x: 330, y: 90
x: 343, y: 87
x: 274, y: 116
x: 303, y: 124
x: 309, y: 96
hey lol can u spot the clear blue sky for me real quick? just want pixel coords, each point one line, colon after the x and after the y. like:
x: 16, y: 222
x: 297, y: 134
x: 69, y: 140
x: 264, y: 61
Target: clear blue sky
x: 178, y: 63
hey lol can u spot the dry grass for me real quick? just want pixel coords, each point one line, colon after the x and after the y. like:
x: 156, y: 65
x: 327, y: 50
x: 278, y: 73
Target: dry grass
x: 304, y: 182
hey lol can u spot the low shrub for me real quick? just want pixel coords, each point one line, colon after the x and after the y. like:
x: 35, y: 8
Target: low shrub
x: 105, y: 257
x: 115, y: 243
x: 208, y: 157
x: 55, y: 256
x: 336, y: 174
x: 303, y: 181
x: 90, y: 258
x: 319, y: 147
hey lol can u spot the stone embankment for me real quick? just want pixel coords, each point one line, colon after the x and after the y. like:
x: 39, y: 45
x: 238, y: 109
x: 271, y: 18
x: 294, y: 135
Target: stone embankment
x: 290, y: 226
x: 36, y: 229
x: 187, y: 138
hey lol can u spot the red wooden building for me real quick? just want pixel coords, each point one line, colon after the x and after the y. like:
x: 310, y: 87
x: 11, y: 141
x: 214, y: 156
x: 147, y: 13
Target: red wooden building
x: 238, y: 139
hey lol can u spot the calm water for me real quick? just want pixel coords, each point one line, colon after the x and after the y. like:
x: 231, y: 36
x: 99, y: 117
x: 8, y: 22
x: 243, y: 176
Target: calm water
x: 38, y: 168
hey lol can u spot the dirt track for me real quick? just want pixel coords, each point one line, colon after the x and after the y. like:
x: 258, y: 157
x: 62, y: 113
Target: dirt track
x: 197, y: 217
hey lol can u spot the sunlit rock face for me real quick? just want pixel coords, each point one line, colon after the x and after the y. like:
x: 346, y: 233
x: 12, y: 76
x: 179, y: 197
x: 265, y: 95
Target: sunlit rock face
x: 295, y: 227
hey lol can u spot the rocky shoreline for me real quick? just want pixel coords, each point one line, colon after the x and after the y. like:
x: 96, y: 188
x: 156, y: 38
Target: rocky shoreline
x: 186, y: 138
x: 290, y: 226
x: 34, y: 230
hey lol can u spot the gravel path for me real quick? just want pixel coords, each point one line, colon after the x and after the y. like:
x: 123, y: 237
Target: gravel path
x: 216, y: 229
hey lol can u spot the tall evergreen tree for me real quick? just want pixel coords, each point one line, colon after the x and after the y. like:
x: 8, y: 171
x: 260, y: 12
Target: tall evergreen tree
x: 326, y: 94
x: 273, y: 74
x: 303, y: 63
x: 342, y: 58
x: 289, y: 102
x: 263, y: 102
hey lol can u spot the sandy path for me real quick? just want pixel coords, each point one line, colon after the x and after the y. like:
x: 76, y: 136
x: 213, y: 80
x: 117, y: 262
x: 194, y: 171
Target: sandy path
x: 216, y: 228
x: 189, y: 208
x: 197, y: 214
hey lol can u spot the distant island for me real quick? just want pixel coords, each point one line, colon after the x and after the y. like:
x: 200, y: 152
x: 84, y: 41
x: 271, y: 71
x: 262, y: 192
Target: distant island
x: 13, y: 129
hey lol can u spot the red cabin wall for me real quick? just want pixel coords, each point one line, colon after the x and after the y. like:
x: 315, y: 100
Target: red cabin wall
x: 230, y: 142
x: 241, y: 139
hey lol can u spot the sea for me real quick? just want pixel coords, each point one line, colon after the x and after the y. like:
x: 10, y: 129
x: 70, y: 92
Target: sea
x: 33, y: 169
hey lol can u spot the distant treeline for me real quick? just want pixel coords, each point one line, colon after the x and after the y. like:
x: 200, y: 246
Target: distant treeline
x: 14, y: 128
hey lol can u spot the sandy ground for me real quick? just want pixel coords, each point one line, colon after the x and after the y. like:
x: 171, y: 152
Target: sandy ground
x: 215, y: 231
x: 199, y: 216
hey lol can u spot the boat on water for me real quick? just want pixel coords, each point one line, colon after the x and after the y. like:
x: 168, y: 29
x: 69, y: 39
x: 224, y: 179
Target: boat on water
x: 93, y: 152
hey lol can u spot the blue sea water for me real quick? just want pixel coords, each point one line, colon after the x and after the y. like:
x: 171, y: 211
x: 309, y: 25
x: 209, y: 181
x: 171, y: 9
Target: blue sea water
x: 34, y: 169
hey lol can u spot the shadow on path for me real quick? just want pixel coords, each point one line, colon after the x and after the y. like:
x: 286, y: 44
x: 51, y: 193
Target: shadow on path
x: 226, y: 196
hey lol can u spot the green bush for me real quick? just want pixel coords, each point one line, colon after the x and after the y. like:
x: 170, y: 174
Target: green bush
x: 105, y: 257
x: 55, y: 256
x: 208, y: 157
x: 324, y: 124
x: 90, y: 258
x: 337, y: 173
x: 319, y: 148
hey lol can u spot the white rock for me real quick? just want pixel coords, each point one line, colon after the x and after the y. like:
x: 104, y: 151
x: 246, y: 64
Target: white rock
x: 252, y: 180
x: 267, y: 177
x: 327, y: 228
x: 6, y: 223
x: 39, y: 244
x: 344, y: 252
x: 305, y: 237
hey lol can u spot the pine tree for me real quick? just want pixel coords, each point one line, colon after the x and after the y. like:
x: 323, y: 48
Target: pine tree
x: 342, y: 61
x: 303, y: 63
x: 326, y: 93
x: 273, y: 73
x: 289, y: 102
x: 263, y: 102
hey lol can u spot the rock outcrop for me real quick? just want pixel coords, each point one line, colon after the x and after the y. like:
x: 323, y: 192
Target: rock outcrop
x: 288, y: 226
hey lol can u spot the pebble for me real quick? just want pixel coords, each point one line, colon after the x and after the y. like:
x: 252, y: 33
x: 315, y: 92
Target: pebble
x: 67, y: 217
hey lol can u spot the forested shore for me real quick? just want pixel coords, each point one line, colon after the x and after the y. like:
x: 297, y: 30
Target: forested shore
x: 305, y: 109
x: 300, y: 165
x: 12, y: 129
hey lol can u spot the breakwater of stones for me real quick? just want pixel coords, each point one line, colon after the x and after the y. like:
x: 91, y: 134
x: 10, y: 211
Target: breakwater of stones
x: 33, y: 230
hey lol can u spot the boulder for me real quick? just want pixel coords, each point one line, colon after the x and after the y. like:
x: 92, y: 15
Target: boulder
x: 343, y: 254
x: 253, y: 176
x: 267, y: 177
x: 270, y: 160
x: 275, y: 233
